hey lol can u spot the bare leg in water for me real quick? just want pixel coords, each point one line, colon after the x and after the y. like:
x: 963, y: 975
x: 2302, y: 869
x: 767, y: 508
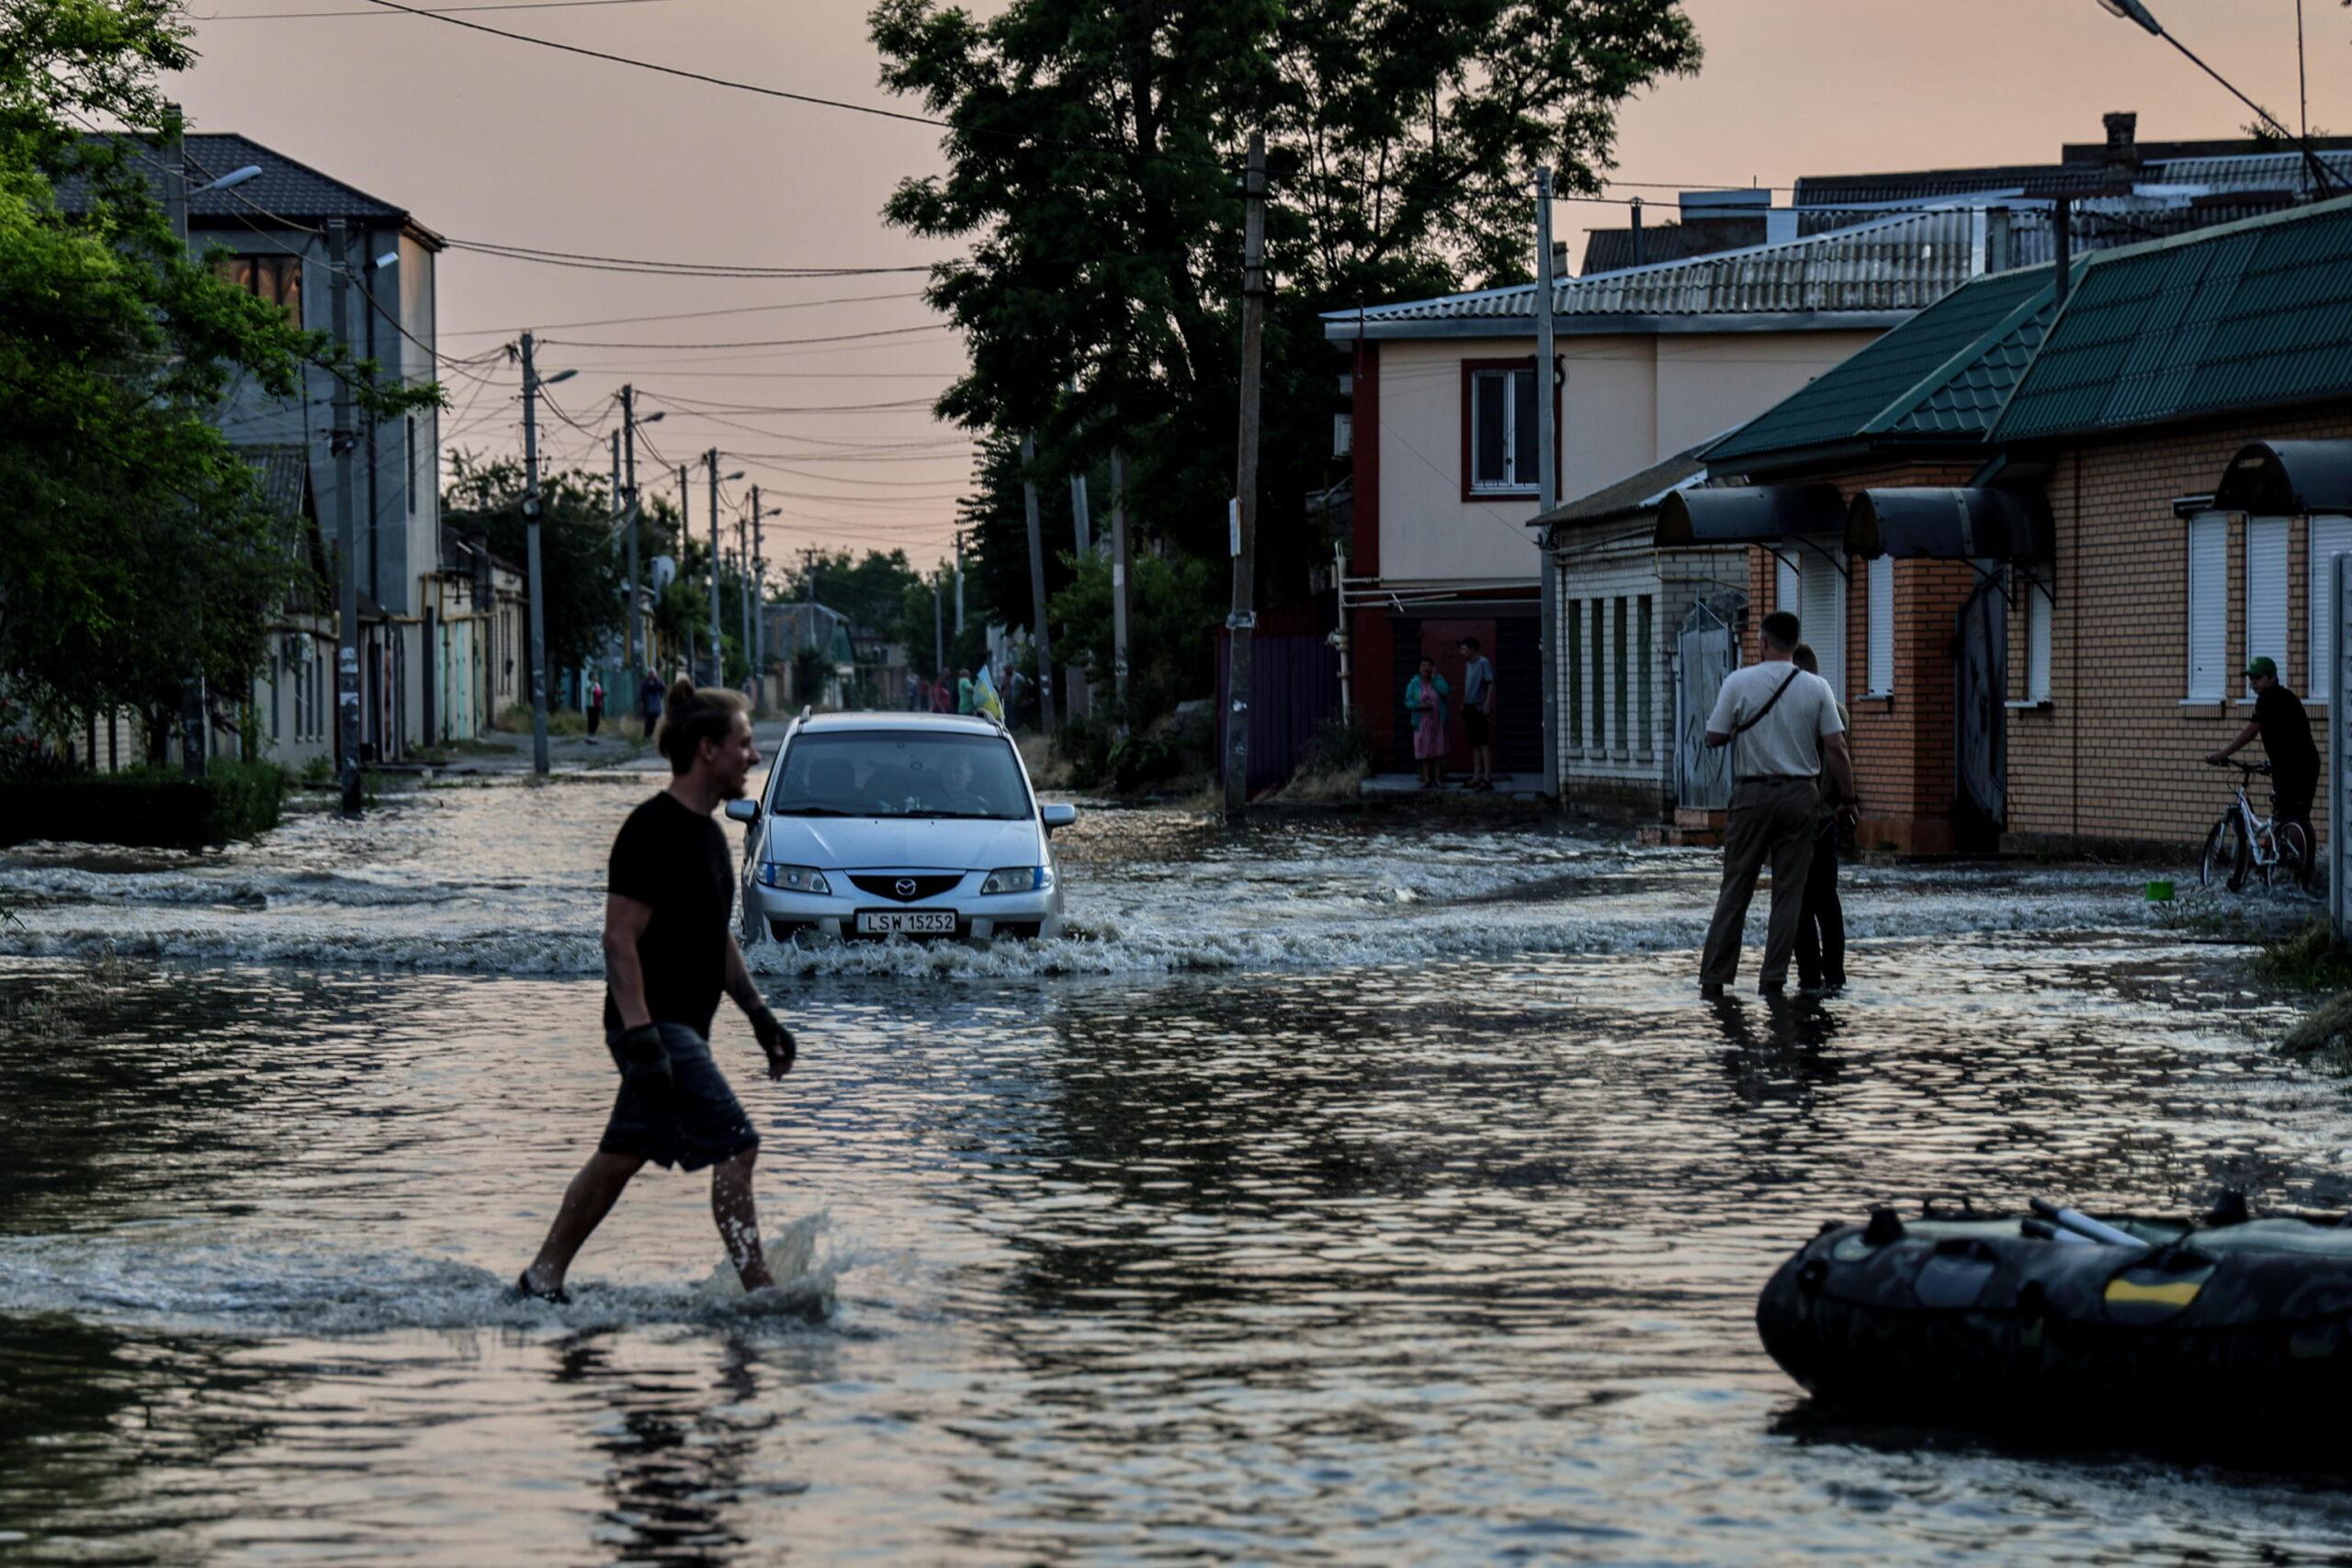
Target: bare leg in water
x: 738, y: 1219
x: 586, y: 1201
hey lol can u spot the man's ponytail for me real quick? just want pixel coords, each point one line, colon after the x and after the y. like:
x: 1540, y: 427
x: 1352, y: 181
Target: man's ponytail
x: 691, y: 714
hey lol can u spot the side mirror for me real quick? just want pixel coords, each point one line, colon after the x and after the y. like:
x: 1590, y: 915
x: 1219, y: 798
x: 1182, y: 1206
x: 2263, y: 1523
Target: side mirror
x: 1058, y: 816
x: 743, y: 811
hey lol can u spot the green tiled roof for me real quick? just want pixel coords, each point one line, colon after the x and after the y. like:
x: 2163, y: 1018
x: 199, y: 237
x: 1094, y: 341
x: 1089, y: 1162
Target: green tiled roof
x: 1943, y: 373
x: 2243, y: 316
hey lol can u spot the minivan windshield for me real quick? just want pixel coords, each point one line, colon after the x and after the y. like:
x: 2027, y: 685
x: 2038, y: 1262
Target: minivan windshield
x: 900, y: 772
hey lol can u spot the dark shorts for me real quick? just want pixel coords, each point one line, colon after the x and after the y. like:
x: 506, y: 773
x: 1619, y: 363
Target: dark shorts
x: 2291, y: 795
x: 1473, y: 726
x: 704, y: 1125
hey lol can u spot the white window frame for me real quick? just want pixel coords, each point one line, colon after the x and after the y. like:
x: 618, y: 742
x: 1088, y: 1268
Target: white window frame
x: 1828, y: 644
x: 2040, y: 609
x: 2331, y: 535
x: 1878, y: 609
x: 1511, y: 482
x: 1787, y: 581
x: 2206, y: 639
x: 2265, y: 598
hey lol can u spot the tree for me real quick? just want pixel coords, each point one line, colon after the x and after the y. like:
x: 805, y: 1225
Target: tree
x: 1091, y: 156
x: 580, y: 567
x: 869, y: 590
x: 137, y: 552
x: 1176, y: 605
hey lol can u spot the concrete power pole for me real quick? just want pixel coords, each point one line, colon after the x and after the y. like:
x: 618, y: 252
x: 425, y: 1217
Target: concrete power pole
x: 717, y: 655
x: 1244, y: 619
x: 1038, y: 583
x: 959, y: 584
x: 342, y: 442
x: 743, y: 601
x: 1547, y: 491
x: 1119, y: 563
x: 632, y: 611
x: 531, y: 562
x: 759, y: 604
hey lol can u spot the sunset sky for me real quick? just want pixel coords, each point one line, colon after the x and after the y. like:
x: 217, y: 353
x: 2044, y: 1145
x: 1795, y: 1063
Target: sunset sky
x: 488, y: 139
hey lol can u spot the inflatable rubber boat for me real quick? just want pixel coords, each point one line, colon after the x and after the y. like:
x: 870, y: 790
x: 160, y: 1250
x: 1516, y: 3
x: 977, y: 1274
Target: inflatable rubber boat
x: 2057, y: 1320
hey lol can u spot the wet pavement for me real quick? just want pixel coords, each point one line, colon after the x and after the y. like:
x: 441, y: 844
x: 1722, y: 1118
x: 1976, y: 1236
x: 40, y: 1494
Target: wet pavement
x: 1339, y: 1190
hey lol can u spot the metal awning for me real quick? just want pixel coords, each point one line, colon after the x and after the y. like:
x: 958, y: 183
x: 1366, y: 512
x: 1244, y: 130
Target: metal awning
x: 1950, y: 523
x: 1748, y: 515
x: 2288, y: 478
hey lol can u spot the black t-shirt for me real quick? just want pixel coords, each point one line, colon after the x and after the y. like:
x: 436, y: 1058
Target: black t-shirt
x: 2286, y: 734
x: 675, y: 860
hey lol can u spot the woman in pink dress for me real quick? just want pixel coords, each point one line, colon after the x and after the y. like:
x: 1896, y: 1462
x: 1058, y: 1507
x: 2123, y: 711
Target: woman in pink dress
x: 1425, y: 696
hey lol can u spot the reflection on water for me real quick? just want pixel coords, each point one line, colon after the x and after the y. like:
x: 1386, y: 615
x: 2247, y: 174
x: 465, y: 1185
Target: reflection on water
x: 1451, y: 1259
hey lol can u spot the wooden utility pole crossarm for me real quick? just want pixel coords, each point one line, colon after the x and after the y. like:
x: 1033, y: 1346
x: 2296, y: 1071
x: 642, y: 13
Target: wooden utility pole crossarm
x: 1243, y: 621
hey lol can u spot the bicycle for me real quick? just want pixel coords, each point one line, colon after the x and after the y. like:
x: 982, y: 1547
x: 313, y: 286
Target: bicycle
x: 2242, y: 843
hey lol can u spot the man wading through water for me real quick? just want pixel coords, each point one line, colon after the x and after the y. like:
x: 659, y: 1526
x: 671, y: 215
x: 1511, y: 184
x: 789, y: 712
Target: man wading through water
x: 1786, y: 724
x: 668, y: 954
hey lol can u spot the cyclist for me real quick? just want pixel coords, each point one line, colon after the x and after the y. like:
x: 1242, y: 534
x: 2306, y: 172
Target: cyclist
x: 2286, y: 739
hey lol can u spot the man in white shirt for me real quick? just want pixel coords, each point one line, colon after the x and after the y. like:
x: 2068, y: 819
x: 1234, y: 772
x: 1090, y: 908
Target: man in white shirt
x: 1784, y: 727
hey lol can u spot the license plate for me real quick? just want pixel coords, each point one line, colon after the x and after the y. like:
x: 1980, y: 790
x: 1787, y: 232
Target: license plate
x: 906, y: 923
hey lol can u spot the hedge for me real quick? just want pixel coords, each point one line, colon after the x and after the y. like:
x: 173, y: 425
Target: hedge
x: 155, y: 807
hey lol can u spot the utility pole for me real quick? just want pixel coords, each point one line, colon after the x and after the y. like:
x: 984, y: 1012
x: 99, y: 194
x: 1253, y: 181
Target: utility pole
x: 717, y: 658
x: 938, y: 632
x: 1243, y: 621
x: 627, y: 607
x: 1119, y: 562
x: 1547, y: 491
x: 341, y: 442
x: 759, y: 604
x: 959, y: 585
x: 531, y: 554
x: 630, y: 673
x: 743, y: 600
x: 1038, y: 583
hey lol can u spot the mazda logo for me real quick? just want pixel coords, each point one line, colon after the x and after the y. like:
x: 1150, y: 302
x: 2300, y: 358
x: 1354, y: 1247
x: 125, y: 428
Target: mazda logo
x: 905, y: 887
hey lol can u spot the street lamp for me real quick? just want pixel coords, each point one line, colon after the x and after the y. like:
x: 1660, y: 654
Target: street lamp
x: 2134, y: 11
x: 230, y: 180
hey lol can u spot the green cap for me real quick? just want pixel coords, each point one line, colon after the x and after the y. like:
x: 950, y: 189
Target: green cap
x: 2262, y: 664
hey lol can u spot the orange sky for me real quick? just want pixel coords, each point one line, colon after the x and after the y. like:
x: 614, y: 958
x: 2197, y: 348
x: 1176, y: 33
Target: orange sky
x: 485, y: 139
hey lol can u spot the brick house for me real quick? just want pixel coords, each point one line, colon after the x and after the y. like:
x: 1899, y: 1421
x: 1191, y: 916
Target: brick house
x: 2044, y: 470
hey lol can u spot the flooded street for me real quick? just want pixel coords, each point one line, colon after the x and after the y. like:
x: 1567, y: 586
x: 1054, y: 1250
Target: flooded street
x: 1340, y: 1190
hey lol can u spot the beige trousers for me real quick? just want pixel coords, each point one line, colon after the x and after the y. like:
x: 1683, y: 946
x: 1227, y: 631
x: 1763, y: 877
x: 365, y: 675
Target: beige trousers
x: 1774, y: 821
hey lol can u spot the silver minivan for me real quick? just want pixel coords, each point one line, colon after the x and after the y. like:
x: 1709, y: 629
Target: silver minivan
x: 877, y: 825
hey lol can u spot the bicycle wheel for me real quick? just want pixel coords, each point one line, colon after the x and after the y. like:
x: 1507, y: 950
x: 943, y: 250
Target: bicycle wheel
x: 2295, y: 855
x: 2226, y: 856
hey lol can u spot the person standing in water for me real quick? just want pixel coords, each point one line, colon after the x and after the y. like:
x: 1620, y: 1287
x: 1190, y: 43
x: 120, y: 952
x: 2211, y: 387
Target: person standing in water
x: 668, y: 954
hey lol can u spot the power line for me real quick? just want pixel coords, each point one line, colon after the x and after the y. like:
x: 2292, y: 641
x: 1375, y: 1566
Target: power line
x: 438, y: 11
x: 767, y: 343
x: 667, y: 269
x: 666, y: 70
x: 690, y: 315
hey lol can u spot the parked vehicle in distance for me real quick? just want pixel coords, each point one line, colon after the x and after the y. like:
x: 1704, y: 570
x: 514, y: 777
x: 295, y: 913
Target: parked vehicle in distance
x: 877, y: 825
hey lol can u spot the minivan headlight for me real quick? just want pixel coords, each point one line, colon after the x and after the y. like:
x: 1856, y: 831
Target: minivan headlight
x: 794, y: 879
x: 1019, y: 879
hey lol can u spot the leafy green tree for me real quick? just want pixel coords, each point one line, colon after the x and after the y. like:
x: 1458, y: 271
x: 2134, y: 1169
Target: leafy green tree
x: 1092, y: 155
x: 1174, y: 604
x: 870, y: 590
x: 137, y: 552
x: 582, y: 568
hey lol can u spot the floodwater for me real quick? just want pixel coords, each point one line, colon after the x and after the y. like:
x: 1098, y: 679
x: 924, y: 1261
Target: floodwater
x: 1348, y: 1193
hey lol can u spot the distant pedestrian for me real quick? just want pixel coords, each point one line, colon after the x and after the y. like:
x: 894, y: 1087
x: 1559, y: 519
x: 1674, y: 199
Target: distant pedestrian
x: 669, y: 954
x: 1478, y: 713
x: 1821, y: 921
x: 963, y: 690
x: 648, y: 701
x: 1785, y: 723
x: 595, y: 704
x: 942, y: 699
x: 2286, y: 732
x: 1016, y: 697
x: 1425, y: 696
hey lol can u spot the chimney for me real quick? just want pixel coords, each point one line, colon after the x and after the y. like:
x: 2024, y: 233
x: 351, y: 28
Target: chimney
x: 1637, y: 230
x: 2123, y: 143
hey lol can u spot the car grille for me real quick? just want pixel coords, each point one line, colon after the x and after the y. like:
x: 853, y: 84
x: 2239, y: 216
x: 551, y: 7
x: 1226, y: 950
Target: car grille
x: 907, y: 889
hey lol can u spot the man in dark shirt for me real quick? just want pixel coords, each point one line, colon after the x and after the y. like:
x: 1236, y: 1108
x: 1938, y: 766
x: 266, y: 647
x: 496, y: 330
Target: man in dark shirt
x: 2287, y: 741
x: 668, y: 954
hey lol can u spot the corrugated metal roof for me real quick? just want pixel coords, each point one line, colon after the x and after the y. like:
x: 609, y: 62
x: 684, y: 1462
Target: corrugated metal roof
x: 282, y: 471
x: 1625, y: 497
x: 1932, y: 376
x: 286, y: 187
x: 2249, y: 314
x: 1897, y: 264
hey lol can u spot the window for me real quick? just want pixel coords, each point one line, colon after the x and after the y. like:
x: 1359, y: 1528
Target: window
x: 1784, y: 581
x: 1821, y: 605
x: 2209, y: 606
x: 1623, y: 675
x: 1600, y: 692
x: 1574, y: 642
x: 1879, y: 607
x: 275, y: 717
x: 1498, y: 404
x: 411, y: 423
x: 2035, y: 591
x: 276, y: 280
x: 1645, y: 660
x: 2331, y: 536
x: 2266, y: 594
